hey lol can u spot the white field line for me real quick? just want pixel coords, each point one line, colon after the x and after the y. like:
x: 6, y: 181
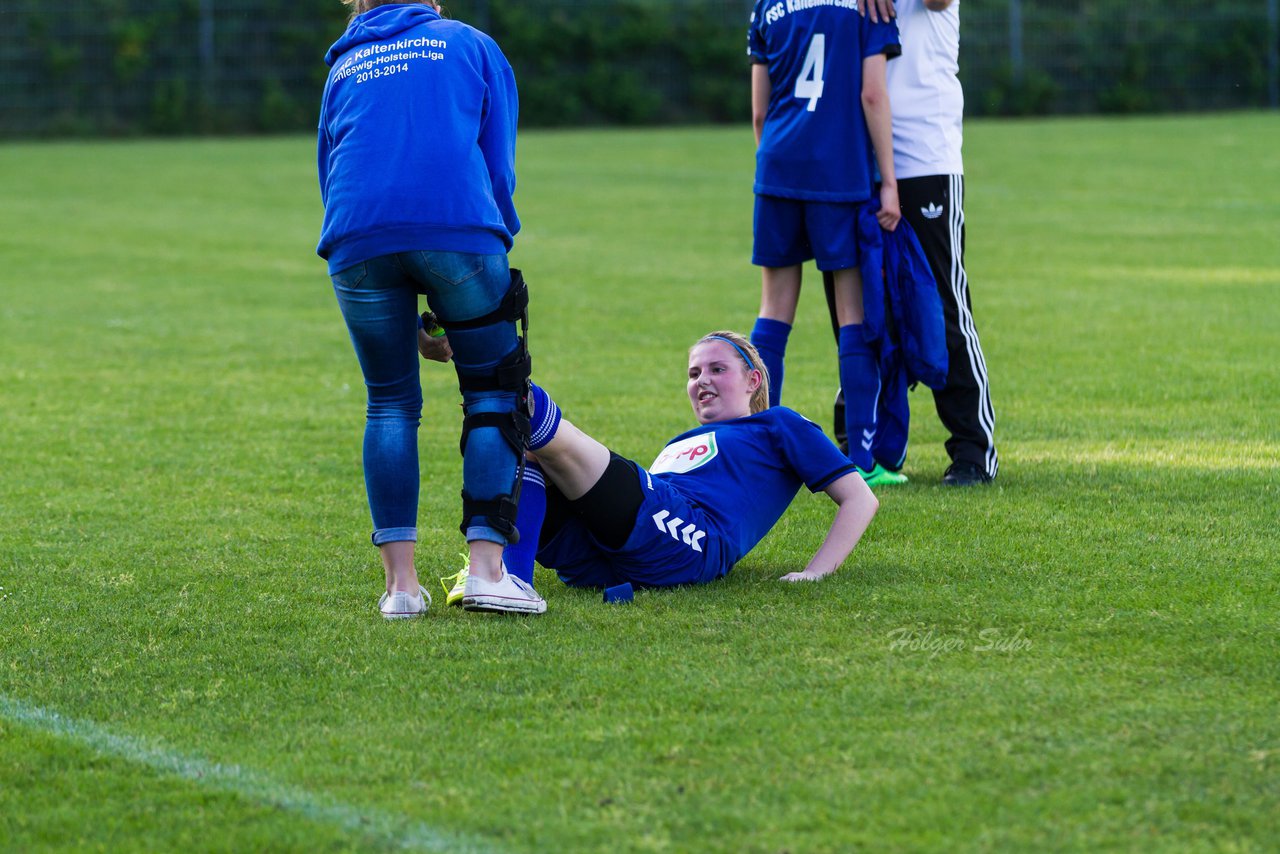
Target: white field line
x: 385, y: 828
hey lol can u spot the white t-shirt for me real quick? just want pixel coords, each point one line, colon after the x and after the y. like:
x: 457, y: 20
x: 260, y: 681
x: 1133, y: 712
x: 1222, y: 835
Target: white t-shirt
x: 925, y: 94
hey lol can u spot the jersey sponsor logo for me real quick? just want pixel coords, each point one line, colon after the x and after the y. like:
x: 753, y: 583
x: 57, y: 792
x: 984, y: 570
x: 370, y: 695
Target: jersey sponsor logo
x: 686, y: 455
x: 691, y: 535
x: 932, y: 211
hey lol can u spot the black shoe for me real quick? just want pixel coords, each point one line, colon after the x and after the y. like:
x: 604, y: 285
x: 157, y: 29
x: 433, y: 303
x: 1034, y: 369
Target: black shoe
x: 965, y: 473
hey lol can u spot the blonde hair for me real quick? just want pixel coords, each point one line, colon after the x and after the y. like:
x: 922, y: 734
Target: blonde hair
x: 760, y: 397
x: 359, y: 7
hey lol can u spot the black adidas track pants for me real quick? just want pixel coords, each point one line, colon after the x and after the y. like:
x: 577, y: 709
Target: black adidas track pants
x: 934, y: 205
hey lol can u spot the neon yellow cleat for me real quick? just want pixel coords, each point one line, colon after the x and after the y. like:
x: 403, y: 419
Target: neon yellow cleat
x: 456, y: 585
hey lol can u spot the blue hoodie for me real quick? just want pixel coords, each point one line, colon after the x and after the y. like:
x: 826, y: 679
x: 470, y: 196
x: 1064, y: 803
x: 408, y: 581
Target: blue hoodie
x: 903, y: 312
x: 417, y: 139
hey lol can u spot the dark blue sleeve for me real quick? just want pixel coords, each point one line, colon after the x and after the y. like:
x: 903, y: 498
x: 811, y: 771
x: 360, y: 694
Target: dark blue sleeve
x: 755, y: 35
x: 881, y: 37
x: 808, y: 451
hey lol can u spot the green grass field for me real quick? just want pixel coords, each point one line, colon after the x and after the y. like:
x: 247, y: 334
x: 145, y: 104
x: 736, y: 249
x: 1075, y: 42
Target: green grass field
x: 1083, y: 657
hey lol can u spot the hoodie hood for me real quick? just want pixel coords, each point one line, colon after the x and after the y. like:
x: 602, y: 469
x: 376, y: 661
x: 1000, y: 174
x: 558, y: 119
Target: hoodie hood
x: 380, y: 24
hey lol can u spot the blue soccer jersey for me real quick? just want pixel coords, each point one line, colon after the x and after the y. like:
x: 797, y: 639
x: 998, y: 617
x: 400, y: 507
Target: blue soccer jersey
x: 815, y: 144
x: 743, y: 473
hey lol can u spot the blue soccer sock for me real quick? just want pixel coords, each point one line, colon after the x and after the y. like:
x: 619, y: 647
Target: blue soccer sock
x: 860, y: 380
x: 769, y: 337
x: 893, y: 421
x: 545, y: 420
x: 532, y: 510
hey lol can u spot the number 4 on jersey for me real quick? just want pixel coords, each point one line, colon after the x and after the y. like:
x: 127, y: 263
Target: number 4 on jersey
x: 809, y: 84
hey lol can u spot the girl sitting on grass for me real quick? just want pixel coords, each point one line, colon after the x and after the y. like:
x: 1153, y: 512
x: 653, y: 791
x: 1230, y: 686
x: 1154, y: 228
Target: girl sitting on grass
x: 599, y: 519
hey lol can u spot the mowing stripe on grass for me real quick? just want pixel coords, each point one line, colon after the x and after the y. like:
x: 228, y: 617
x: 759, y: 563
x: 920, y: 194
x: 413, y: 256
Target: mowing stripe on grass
x: 385, y: 828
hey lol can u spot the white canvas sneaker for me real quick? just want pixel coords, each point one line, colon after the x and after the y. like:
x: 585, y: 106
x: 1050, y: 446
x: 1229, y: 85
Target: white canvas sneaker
x: 507, y: 595
x: 403, y: 605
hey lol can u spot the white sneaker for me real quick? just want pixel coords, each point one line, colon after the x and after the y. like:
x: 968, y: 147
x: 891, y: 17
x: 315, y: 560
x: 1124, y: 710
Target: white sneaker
x: 507, y: 595
x: 403, y: 605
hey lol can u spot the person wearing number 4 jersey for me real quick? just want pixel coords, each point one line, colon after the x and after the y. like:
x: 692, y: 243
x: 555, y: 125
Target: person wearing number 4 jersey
x: 822, y: 122
x: 714, y: 491
x: 928, y: 116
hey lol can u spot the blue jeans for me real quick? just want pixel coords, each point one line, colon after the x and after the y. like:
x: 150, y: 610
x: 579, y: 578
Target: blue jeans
x: 379, y: 301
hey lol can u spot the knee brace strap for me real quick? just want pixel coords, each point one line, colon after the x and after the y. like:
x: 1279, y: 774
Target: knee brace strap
x: 514, y: 426
x: 511, y: 374
x: 514, y: 306
x: 500, y: 512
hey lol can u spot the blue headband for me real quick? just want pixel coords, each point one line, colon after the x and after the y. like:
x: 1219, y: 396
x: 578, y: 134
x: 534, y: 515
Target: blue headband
x: 741, y: 352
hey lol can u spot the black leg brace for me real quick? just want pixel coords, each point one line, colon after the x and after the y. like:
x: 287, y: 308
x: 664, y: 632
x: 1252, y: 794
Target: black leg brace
x: 511, y: 374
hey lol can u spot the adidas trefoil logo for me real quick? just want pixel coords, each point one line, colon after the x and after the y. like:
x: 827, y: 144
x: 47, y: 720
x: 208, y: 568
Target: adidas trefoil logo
x: 933, y: 211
